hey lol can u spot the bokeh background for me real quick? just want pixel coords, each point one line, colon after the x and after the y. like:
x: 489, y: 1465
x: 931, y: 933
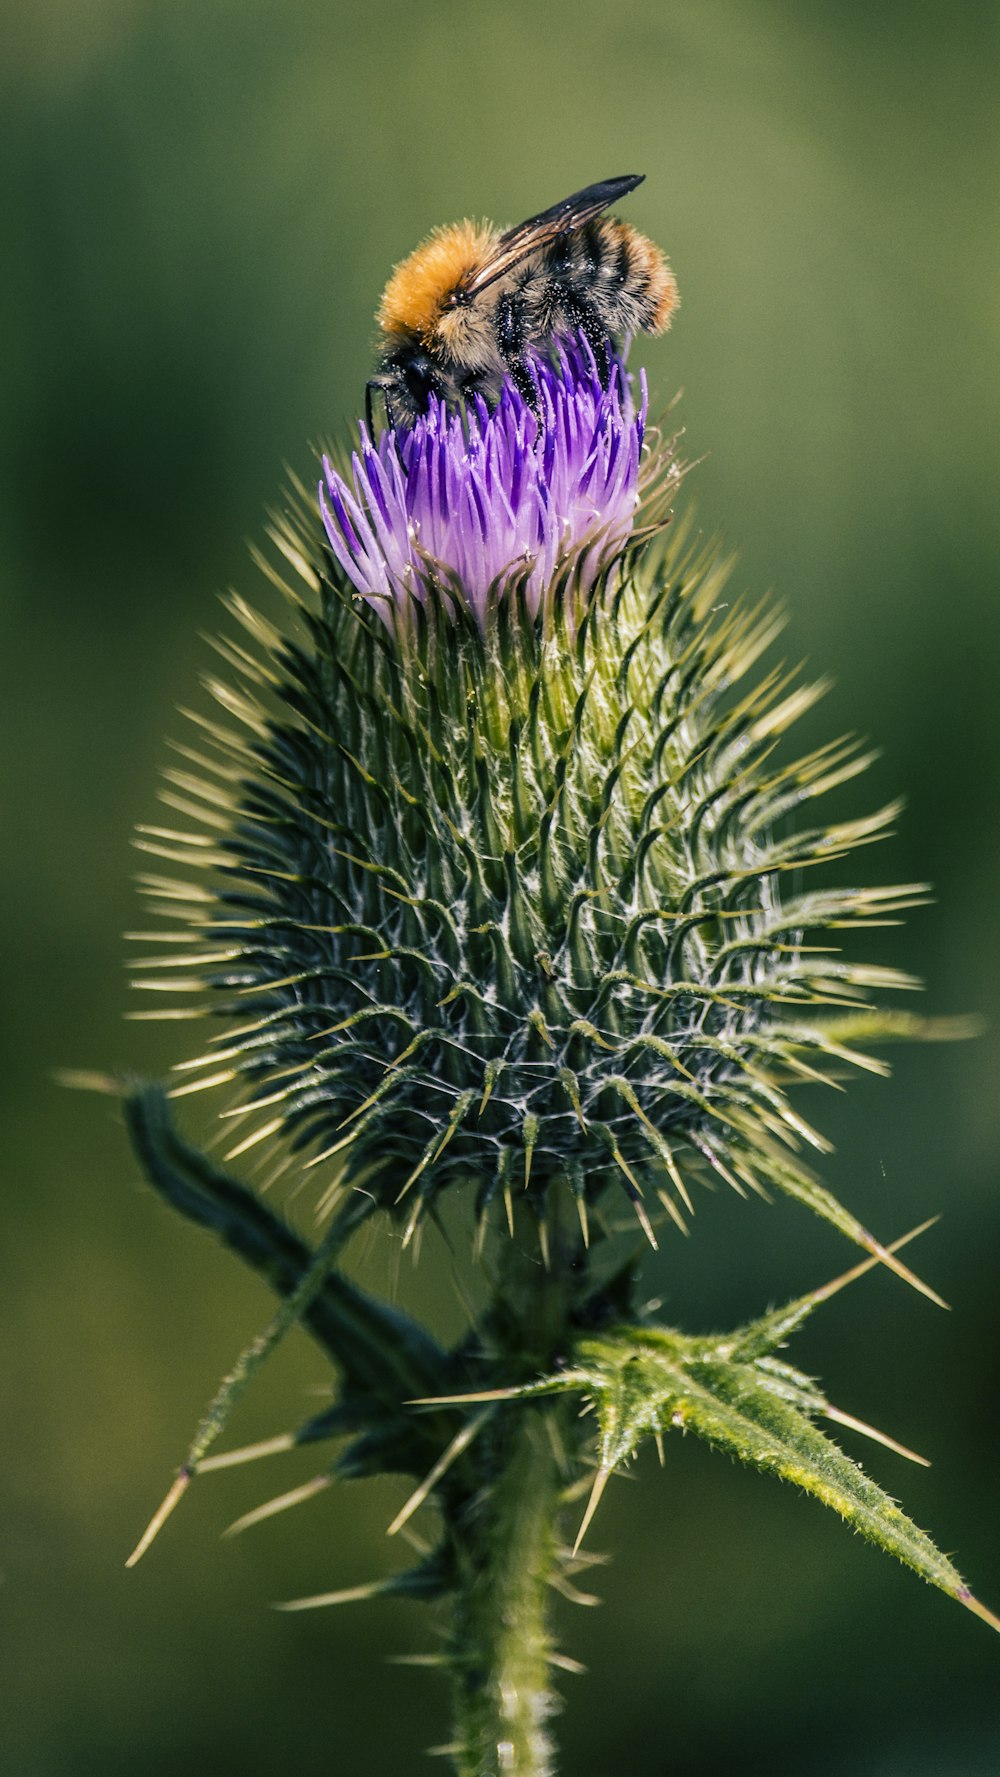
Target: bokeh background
x: 201, y: 201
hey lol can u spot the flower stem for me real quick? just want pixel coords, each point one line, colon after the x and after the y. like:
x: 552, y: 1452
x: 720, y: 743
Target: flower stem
x: 501, y: 1649
x: 504, y: 1534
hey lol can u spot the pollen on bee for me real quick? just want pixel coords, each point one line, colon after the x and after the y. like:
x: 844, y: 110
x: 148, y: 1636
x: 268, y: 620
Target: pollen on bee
x: 414, y: 296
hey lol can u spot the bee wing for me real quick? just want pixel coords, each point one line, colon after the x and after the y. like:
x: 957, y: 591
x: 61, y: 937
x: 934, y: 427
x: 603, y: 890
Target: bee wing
x: 528, y: 237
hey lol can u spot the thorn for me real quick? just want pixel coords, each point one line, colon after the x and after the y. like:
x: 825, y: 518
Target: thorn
x: 80, y: 1079
x: 884, y: 1253
x: 509, y: 1207
x: 680, y: 1187
x: 428, y: 1156
x: 490, y: 1079
x: 466, y: 1400
x: 646, y: 1225
x: 537, y: 1022
x: 435, y: 1148
x: 635, y: 1197
x: 543, y: 1242
x: 571, y: 1593
x: 601, y: 1480
x: 373, y: 1097
x: 658, y: 1441
x: 412, y: 1225
x: 827, y: 1290
x: 458, y: 1445
x: 569, y: 1085
x: 978, y: 1610
x: 709, y: 1153
x: 581, y: 1210
x: 160, y: 1516
x: 265, y: 1131
x: 529, y: 1127
x: 565, y: 1664
x: 330, y: 1198
x: 672, y: 1210
x: 349, y: 1595
x: 247, y: 1453
x: 328, y: 1153
x: 418, y: 1544
x: 206, y: 1083
x: 281, y: 1503
x: 877, y: 1437
x: 480, y: 1236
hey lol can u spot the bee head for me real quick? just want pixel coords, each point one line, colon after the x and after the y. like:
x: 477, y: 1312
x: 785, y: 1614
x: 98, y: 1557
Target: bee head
x: 423, y: 298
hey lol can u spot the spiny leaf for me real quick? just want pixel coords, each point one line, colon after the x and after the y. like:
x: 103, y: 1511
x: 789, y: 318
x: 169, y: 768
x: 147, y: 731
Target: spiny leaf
x: 644, y: 1382
x: 379, y: 1350
x: 379, y: 1347
x: 729, y: 1389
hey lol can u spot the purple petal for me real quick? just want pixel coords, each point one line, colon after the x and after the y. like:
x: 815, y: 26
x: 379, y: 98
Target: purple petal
x: 494, y: 494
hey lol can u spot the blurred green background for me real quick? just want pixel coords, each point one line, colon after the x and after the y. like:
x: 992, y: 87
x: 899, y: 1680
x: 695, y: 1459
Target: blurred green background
x: 201, y: 203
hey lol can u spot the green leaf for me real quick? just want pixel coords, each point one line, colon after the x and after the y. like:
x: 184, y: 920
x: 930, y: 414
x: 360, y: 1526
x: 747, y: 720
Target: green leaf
x: 380, y: 1350
x: 730, y: 1390
x: 645, y: 1382
x: 384, y: 1357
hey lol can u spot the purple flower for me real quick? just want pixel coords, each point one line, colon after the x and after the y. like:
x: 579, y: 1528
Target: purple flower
x: 474, y: 503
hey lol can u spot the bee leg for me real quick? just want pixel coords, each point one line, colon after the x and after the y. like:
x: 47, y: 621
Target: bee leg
x: 524, y: 382
x: 376, y: 383
x: 511, y: 316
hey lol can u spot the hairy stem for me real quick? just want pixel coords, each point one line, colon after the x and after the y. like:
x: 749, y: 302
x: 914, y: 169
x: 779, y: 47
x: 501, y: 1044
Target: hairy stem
x: 504, y: 1533
x: 501, y: 1644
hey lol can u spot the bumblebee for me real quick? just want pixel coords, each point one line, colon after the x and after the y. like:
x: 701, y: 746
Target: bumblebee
x: 470, y: 305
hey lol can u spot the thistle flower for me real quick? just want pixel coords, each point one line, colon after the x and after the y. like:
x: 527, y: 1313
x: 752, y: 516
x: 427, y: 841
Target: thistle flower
x: 507, y: 894
x: 479, y: 502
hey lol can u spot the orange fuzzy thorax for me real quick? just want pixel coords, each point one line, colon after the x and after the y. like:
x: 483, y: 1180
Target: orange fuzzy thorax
x: 414, y: 297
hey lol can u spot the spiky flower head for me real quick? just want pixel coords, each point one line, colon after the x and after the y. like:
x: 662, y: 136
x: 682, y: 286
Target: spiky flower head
x: 506, y: 887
